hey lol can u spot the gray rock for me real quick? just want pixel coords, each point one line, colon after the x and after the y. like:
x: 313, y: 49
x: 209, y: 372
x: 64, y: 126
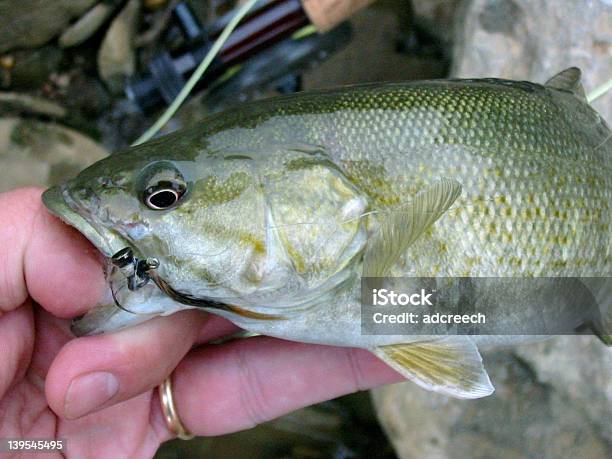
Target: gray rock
x: 116, y: 57
x: 86, y: 26
x: 31, y: 23
x: 534, y: 39
x: 32, y: 67
x: 13, y: 102
x: 553, y: 399
x: 579, y: 367
x: 34, y: 153
x: 438, y: 16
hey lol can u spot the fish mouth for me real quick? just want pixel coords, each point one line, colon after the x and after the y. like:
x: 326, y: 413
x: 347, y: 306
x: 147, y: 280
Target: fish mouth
x: 60, y: 203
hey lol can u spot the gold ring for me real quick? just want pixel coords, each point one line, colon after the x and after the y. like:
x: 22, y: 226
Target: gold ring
x: 169, y: 409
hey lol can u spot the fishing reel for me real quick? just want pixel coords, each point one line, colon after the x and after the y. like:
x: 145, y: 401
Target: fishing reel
x: 270, y: 49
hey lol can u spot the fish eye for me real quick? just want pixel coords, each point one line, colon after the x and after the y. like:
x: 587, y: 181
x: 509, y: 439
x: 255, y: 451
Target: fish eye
x: 163, y: 195
x: 161, y: 185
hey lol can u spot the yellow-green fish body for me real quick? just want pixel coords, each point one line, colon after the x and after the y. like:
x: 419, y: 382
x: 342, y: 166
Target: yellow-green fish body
x: 275, y: 209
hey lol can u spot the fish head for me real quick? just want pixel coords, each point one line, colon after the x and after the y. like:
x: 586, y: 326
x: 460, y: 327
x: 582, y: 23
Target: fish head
x: 100, y: 202
x: 191, y: 212
x: 246, y: 228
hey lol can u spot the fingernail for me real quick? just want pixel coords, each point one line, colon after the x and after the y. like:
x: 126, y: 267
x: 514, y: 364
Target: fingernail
x: 88, y: 392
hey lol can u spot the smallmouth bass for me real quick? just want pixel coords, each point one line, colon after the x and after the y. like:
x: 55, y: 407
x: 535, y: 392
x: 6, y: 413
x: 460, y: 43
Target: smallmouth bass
x: 270, y: 213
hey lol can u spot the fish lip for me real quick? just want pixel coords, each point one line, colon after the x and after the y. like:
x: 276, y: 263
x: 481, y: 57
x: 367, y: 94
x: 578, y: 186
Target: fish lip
x: 59, y: 202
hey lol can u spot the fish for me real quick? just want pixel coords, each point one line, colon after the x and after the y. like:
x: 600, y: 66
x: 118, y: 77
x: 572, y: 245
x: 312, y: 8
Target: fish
x: 270, y: 214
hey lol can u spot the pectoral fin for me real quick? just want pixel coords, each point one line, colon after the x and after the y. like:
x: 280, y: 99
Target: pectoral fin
x: 399, y: 228
x: 450, y: 366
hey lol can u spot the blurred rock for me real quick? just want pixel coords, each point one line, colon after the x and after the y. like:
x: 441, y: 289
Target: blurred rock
x: 345, y: 428
x: 534, y: 39
x: 31, y: 23
x: 438, y: 16
x: 31, y: 68
x: 42, y: 154
x: 154, y: 4
x: 580, y: 368
x: 116, y: 58
x: 553, y: 399
x: 87, y: 25
x: 87, y: 96
x: 375, y: 31
x: 17, y: 103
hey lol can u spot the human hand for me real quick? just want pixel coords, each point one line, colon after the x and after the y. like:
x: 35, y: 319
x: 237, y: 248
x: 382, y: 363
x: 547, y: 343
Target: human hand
x: 97, y: 392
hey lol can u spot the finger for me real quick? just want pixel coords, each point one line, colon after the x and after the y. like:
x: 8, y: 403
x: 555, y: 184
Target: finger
x: 119, y: 431
x: 224, y: 388
x: 99, y: 371
x: 214, y: 328
x: 42, y: 256
x: 16, y: 344
x: 52, y: 334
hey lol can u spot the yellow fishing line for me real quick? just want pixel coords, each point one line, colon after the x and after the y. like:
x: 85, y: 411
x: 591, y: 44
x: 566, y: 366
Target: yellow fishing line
x: 304, y: 32
x: 600, y: 91
x: 195, y: 77
x: 212, y: 53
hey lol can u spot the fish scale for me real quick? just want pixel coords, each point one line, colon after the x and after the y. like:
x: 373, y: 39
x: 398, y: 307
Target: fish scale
x: 283, y: 204
x: 524, y: 162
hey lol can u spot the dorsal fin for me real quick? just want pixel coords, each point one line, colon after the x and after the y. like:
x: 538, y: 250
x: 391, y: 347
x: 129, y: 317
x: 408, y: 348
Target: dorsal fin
x: 568, y: 80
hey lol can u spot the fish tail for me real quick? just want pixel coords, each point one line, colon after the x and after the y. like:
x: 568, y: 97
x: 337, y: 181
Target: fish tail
x: 604, y: 330
x: 607, y: 312
x: 601, y: 288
